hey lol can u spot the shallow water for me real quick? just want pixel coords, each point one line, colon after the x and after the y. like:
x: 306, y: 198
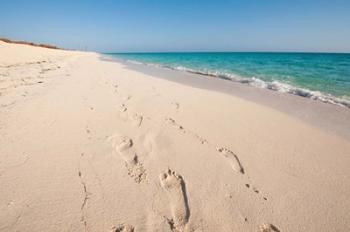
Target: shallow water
x: 322, y: 76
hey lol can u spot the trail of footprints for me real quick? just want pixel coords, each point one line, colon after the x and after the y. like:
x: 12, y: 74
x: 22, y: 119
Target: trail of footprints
x: 25, y: 74
x: 173, y: 123
x: 126, y: 115
x: 172, y: 183
x: 232, y: 158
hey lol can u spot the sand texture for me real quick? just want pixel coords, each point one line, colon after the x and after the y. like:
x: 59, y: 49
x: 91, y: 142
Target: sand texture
x: 91, y: 145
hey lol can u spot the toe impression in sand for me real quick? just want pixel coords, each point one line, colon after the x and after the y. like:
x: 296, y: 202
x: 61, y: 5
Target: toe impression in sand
x: 234, y: 161
x: 124, y: 147
x: 174, y: 185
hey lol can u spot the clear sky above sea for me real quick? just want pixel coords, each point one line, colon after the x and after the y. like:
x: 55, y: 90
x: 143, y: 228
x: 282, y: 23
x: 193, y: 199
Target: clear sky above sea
x: 181, y: 25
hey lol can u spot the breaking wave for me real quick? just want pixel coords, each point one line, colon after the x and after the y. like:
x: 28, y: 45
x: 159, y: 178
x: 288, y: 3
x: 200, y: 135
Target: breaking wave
x: 256, y: 82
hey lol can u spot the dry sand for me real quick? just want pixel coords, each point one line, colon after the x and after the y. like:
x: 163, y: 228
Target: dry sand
x: 90, y: 145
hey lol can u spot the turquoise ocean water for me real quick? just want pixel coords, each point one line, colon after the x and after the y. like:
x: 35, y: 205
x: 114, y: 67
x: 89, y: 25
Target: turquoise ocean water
x: 320, y: 76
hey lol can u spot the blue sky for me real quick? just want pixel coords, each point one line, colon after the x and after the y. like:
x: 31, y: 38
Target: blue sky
x: 181, y: 25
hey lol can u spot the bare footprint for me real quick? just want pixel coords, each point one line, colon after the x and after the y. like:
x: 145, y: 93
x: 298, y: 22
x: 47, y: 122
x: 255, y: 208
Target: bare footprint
x: 268, y: 228
x: 126, y: 115
x: 126, y: 98
x: 200, y: 139
x: 123, y: 112
x: 174, y: 185
x: 172, y: 122
x: 122, y: 108
x: 123, y: 228
x: 136, y: 120
x: 175, y: 105
x: 234, y: 161
x: 123, y: 146
x: 116, y: 88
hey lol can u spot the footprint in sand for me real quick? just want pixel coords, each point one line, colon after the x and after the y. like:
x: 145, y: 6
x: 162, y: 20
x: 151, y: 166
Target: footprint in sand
x: 200, y: 139
x: 172, y: 122
x: 124, y: 147
x: 136, y: 120
x: 257, y: 191
x: 174, y: 185
x: 122, y: 108
x: 175, y: 105
x: 123, y: 228
x: 126, y: 115
x: 234, y: 161
x: 126, y: 98
x: 123, y: 112
x: 268, y: 228
x: 116, y: 88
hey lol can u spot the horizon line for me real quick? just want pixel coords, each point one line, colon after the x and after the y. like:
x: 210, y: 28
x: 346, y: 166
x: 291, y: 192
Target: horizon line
x: 213, y: 51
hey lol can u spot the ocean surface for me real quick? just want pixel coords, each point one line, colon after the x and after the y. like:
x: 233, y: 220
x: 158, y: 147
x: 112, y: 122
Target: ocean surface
x: 319, y: 76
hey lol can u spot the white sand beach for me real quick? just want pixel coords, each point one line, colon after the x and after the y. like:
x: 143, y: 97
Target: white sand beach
x: 92, y: 145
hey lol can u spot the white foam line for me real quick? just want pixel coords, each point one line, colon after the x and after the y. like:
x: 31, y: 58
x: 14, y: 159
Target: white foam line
x: 256, y: 82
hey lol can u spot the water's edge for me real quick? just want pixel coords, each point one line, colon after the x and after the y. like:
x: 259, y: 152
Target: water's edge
x: 256, y: 82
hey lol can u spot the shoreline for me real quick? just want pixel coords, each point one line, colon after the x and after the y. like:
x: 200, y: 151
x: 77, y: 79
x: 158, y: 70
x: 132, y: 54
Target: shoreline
x: 329, y: 117
x: 274, y: 85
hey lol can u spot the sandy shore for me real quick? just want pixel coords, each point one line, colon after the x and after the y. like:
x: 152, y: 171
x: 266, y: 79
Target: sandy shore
x: 92, y: 145
x: 329, y: 117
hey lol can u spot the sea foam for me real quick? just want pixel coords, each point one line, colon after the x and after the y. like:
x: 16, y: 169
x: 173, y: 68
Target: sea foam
x: 256, y: 82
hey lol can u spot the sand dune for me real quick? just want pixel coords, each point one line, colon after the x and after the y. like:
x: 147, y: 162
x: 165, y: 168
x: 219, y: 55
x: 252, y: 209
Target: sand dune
x: 90, y: 145
x: 28, y: 43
